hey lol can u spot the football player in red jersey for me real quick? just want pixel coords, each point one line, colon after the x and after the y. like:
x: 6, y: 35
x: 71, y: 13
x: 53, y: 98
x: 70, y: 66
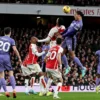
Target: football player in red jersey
x: 54, y: 32
x: 54, y: 66
x: 30, y: 66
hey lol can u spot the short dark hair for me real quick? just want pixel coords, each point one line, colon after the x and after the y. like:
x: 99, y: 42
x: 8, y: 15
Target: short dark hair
x: 80, y: 13
x: 60, y: 21
x: 58, y: 41
x: 7, y: 30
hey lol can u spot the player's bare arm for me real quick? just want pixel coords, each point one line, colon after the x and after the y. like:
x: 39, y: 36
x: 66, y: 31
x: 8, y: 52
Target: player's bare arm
x: 59, y: 61
x: 17, y: 53
x: 50, y: 35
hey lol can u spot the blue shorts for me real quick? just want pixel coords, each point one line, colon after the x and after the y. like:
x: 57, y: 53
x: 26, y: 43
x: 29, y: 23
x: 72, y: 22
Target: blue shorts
x: 5, y: 63
x: 70, y: 43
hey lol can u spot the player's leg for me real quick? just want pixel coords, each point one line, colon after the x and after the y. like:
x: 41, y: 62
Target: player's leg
x: 8, y: 67
x: 12, y: 82
x: 42, y: 81
x: 3, y: 84
x: 42, y: 84
x: 32, y: 81
x: 27, y: 71
x: 98, y: 83
x: 26, y: 82
x: 2, y: 79
x: 71, y: 47
x: 36, y: 68
x: 49, y: 82
x: 56, y: 74
x: 64, y: 58
x: 98, y: 79
x: 0, y: 89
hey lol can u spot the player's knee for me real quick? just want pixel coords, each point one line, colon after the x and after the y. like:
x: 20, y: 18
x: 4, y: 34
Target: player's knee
x: 72, y: 54
x: 1, y: 74
x: 60, y: 80
x: 10, y: 73
x: 41, y: 74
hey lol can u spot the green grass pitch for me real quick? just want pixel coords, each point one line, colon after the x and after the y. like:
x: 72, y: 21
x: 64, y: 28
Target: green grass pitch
x: 64, y: 96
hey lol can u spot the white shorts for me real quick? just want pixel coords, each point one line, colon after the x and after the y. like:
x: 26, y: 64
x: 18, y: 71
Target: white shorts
x: 30, y: 69
x: 52, y: 43
x: 55, y: 74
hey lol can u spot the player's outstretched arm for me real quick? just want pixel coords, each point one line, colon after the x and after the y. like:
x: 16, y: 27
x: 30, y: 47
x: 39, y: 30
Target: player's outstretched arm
x: 50, y: 35
x: 17, y: 53
x: 39, y: 54
x: 35, y: 51
x: 45, y: 40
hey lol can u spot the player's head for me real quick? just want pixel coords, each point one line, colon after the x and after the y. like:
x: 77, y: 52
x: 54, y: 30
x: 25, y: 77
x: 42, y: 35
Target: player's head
x: 58, y: 40
x: 7, y: 31
x: 34, y: 40
x: 78, y: 15
x: 59, y: 21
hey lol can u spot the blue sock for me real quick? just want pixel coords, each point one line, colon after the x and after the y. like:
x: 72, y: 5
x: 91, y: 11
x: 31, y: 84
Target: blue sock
x: 3, y: 84
x: 65, y: 61
x: 77, y: 61
x: 97, y: 81
x: 12, y: 82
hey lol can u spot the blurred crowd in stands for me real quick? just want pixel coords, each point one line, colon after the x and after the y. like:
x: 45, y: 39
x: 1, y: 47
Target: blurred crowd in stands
x: 63, y: 2
x: 88, y: 43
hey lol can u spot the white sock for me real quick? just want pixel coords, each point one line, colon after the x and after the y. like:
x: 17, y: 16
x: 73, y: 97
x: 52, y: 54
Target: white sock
x: 32, y: 81
x: 42, y: 84
x: 26, y: 85
x: 49, y: 83
x: 58, y: 87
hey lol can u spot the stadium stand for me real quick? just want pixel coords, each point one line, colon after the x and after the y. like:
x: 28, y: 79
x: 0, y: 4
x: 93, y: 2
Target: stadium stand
x: 61, y: 2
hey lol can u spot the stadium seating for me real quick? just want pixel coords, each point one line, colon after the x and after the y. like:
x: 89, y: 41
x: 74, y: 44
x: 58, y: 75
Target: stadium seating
x: 63, y: 2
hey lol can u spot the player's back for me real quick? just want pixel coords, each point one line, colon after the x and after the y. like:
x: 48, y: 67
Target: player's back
x: 5, y: 44
x: 52, y: 61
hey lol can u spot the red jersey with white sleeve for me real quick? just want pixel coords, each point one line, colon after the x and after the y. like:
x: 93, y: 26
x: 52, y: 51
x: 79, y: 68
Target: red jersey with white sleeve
x: 52, y: 32
x: 52, y: 61
x: 33, y: 55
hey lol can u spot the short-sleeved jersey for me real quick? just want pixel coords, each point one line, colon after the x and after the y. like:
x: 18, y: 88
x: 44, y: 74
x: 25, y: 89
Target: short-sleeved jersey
x: 52, y: 62
x: 98, y: 54
x: 31, y: 58
x: 75, y: 25
x: 5, y: 44
x: 54, y: 30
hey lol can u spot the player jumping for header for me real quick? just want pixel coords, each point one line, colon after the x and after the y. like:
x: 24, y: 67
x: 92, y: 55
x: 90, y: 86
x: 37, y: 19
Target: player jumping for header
x: 5, y: 64
x: 98, y: 72
x: 70, y: 40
